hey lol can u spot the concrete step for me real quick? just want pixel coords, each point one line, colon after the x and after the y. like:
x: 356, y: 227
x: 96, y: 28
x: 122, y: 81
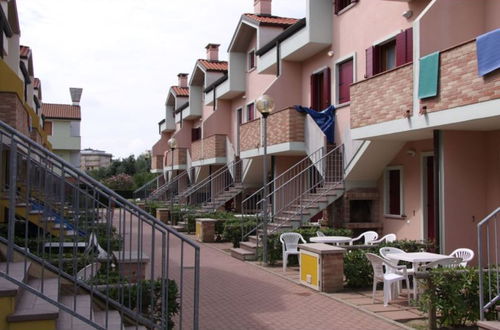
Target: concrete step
x: 16, y: 271
x: 30, y: 307
x: 179, y: 228
x: 253, y: 239
x: 114, y: 320
x: 249, y: 246
x: 83, y: 307
x: 243, y: 254
x: 488, y: 325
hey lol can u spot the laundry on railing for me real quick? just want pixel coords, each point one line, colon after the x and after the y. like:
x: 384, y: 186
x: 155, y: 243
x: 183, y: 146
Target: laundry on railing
x: 428, y: 76
x: 325, y: 119
x: 488, y: 52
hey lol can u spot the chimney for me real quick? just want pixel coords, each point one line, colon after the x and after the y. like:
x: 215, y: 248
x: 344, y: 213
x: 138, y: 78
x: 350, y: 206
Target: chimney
x: 212, y: 52
x: 76, y: 94
x: 262, y: 7
x: 183, y: 79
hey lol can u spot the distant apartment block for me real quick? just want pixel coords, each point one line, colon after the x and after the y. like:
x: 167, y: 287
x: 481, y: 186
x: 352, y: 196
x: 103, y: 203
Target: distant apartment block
x: 91, y: 159
x: 62, y: 125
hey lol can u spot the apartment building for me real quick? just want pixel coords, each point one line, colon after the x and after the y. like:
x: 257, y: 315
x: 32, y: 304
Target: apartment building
x: 20, y: 91
x: 62, y: 125
x: 396, y: 161
x: 91, y: 159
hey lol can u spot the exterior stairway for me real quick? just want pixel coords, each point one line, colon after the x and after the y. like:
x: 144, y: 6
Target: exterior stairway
x: 222, y: 198
x: 293, y: 198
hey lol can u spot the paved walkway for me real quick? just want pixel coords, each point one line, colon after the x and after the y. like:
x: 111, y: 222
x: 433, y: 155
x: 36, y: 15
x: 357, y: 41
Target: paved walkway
x: 235, y: 295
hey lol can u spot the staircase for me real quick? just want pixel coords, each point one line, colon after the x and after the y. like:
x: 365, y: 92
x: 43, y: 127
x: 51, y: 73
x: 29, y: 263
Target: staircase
x: 217, y: 189
x: 293, y: 198
x: 488, y: 256
x: 170, y: 190
x: 145, y: 190
x: 75, y: 255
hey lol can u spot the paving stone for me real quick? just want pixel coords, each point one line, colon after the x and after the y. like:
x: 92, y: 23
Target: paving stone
x: 400, y: 315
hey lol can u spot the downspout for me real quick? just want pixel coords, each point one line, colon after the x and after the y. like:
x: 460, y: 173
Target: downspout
x: 437, y: 188
x: 278, y: 55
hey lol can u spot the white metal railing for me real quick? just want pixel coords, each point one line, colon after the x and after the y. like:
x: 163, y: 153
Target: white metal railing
x: 54, y: 209
x: 488, y: 254
x: 146, y: 189
x: 171, y: 189
x: 296, y: 189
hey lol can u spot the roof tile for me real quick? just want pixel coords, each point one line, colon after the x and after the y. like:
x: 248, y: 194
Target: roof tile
x: 61, y: 111
x: 214, y: 65
x: 180, y: 91
x: 272, y: 20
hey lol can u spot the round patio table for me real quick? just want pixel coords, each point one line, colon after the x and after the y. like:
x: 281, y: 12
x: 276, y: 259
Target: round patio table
x: 330, y: 239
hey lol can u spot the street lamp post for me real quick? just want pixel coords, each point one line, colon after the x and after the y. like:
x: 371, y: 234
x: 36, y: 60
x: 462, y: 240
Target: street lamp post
x: 172, y: 143
x: 265, y: 105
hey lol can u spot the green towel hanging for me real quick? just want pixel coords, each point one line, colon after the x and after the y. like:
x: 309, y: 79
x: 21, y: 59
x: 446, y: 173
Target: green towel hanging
x: 428, y: 76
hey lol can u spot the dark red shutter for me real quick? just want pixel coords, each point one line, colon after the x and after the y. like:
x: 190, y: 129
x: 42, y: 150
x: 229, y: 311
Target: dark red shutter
x: 337, y: 6
x: 345, y: 81
x: 372, y: 61
x: 327, y: 89
x: 394, y: 192
x: 314, y: 91
x: 409, y: 45
x: 401, y: 48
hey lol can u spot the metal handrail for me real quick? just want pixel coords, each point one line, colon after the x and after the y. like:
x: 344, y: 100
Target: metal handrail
x: 483, y: 229
x: 155, y: 195
x: 222, y: 179
x: 81, y: 200
x: 299, y: 186
x: 147, y: 186
x: 303, y: 161
x: 198, y: 185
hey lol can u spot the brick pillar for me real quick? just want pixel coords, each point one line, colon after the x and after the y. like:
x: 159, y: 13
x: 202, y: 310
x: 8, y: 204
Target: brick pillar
x: 163, y: 214
x: 205, y: 230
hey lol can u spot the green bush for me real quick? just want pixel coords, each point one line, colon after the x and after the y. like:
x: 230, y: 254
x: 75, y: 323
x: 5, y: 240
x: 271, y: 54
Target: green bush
x: 150, y: 303
x: 455, y: 292
x: 233, y: 229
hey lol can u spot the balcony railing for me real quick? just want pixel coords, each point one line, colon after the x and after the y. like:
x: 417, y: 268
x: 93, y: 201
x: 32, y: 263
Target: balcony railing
x: 208, y: 148
x: 283, y: 126
x: 384, y: 97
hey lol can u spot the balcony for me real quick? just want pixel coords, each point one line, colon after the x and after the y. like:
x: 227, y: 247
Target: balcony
x: 285, y: 134
x: 157, y: 164
x: 385, y: 105
x: 166, y: 126
x: 209, y: 151
x: 384, y: 97
x: 180, y: 157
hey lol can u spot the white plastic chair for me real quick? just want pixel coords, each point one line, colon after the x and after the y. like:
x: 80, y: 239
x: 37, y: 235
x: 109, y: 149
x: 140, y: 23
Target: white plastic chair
x: 384, y: 251
x: 367, y: 235
x: 444, y: 263
x: 88, y: 272
x: 392, y: 274
x: 290, y: 243
x: 466, y: 255
x: 387, y: 238
x: 320, y: 234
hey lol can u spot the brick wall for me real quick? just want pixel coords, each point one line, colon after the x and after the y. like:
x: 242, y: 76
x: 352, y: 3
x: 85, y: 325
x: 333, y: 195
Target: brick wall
x: 384, y: 97
x: 157, y: 162
x: 196, y: 150
x: 12, y: 112
x: 160, y: 146
x: 210, y: 147
x: 459, y: 81
x: 180, y: 157
x: 282, y: 126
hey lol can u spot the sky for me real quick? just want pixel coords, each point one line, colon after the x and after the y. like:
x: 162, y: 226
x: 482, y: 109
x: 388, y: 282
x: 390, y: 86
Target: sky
x: 126, y: 54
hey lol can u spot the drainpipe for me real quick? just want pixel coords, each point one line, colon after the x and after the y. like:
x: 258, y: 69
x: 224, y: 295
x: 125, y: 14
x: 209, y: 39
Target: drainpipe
x: 437, y: 188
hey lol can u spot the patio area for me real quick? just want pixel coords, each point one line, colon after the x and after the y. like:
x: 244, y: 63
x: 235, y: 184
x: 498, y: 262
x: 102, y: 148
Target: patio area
x: 398, y: 311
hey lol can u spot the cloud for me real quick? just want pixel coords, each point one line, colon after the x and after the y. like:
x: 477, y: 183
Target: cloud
x: 125, y: 54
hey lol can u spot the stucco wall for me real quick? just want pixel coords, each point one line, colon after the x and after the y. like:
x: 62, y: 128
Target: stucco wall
x: 62, y: 136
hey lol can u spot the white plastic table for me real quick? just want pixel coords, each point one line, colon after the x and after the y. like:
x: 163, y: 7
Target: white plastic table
x: 330, y: 239
x: 417, y: 259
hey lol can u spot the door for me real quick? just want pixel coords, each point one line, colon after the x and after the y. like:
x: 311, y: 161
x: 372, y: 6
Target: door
x: 429, y: 198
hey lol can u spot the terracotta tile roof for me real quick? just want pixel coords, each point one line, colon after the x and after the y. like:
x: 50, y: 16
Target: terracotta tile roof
x: 214, y: 65
x: 24, y: 51
x: 61, y: 111
x: 180, y: 91
x: 272, y: 20
x: 36, y: 83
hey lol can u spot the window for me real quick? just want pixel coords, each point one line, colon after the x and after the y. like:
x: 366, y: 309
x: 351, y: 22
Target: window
x: 321, y: 90
x: 47, y: 127
x: 195, y: 134
x: 393, y: 191
x: 250, y: 112
x: 345, y: 79
x: 341, y: 4
x: 390, y: 54
x: 251, y: 60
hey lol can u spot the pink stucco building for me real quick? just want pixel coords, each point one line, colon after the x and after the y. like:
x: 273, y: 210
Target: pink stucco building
x: 425, y: 168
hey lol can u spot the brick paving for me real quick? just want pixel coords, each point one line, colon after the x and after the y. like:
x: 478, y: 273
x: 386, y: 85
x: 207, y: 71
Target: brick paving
x: 238, y: 295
